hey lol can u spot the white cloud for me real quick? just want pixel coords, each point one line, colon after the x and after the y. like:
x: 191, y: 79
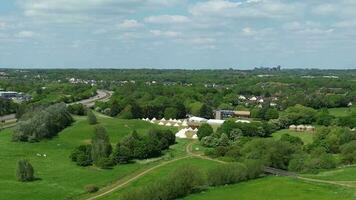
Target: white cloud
x: 248, y: 31
x: 2, y: 24
x: 213, y: 7
x: 169, y: 34
x: 167, y: 19
x: 130, y: 24
x: 74, y: 11
x: 25, y: 34
x: 247, y: 9
x: 325, y: 9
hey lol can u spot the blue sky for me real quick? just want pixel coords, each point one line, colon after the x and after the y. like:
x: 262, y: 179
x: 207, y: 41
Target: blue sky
x: 191, y: 34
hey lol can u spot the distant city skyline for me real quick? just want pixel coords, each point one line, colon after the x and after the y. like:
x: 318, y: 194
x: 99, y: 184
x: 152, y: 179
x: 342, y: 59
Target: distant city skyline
x: 170, y: 34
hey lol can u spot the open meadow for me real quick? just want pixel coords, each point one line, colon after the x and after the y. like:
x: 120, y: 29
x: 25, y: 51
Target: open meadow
x: 276, y: 188
x: 59, y: 177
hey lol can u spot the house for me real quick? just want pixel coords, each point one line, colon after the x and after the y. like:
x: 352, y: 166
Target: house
x: 197, y: 120
x: 246, y: 114
x: 8, y: 94
x: 215, y: 121
x: 222, y: 114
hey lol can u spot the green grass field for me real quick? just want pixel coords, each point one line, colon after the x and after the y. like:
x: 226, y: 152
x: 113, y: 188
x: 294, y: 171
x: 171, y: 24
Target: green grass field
x: 161, y: 173
x: 307, y: 137
x: 59, y: 177
x: 341, y: 112
x: 340, y: 174
x: 276, y: 188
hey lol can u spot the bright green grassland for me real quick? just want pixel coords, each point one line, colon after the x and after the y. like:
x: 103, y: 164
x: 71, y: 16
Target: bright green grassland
x: 161, y: 173
x: 276, y: 188
x: 342, y: 112
x: 340, y: 174
x: 61, y: 178
x: 307, y: 137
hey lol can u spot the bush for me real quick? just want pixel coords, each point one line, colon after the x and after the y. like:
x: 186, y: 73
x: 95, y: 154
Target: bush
x: 204, y: 131
x: 182, y: 182
x: 91, y: 117
x: 25, y: 171
x: 142, y: 147
x: 91, y: 188
x: 77, y: 109
x: 41, y: 124
x: 101, y: 147
x: 348, y: 152
x: 82, y: 155
x: 227, y: 174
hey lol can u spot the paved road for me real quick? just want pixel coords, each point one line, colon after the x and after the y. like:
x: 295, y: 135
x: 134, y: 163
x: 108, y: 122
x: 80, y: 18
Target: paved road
x: 102, y: 95
x: 7, y: 117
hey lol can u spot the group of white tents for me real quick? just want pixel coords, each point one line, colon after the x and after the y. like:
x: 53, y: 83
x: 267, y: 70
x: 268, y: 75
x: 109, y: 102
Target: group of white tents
x: 184, y: 132
x: 169, y: 122
x: 187, y: 133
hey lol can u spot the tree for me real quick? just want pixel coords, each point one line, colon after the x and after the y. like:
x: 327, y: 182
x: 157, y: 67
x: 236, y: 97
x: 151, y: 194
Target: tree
x: 122, y: 154
x: 82, y: 155
x: 206, y: 112
x: 348, y: 152
x: 204, y: 130
x: 42, y: 123
x: 291, y: 139
x: 101, y: 146
x: 170, y: 113
x: 77, y: 109
x: 224, y: 140
x: 25, y: 171
x: 115, y: 108
x: 297, y: 114
x: 91, y: 117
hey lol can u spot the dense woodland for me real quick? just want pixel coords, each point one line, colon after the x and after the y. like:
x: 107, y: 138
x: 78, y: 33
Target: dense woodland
x: 174, y: 93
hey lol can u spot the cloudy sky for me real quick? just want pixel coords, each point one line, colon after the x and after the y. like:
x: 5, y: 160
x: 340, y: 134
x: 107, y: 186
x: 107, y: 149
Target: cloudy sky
x: 178, y: 33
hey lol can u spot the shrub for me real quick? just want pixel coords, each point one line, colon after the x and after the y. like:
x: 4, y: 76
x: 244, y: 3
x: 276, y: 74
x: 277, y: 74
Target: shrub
x: 25, y: 171
x: 82, y: 155
x: 77, y: 109
x: 227, y: 174
x: 101, y: 146
x: 91, y: 117
x: 182, y: 182
x: 91, y: 188
x: 41, y: 124
x: 204, y: 131
x: 348, y: 152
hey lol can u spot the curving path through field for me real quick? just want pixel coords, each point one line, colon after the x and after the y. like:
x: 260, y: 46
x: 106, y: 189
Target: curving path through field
x: 121, y: 183
x: 278, y: 172
x: 189, y: 150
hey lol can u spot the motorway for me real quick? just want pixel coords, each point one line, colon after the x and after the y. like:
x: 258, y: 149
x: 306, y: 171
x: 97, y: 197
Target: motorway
x: 102, y: 95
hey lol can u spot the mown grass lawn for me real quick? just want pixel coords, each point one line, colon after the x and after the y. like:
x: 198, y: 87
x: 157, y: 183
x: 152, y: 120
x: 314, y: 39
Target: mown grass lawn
x: 340, y: 174
x: 276, y: 188
x: 161, y: 173
x: 307, y: 137
x: 342, y: 112
x: 59, y: 177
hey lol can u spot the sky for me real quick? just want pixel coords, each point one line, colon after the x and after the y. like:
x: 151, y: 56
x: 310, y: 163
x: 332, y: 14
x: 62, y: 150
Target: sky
x: 191, y: 34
